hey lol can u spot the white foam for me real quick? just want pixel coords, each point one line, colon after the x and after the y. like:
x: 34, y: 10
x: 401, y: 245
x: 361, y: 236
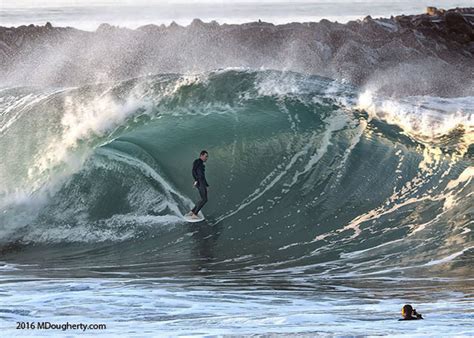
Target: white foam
x: 85, y: 123
x: 82, y: 120
x: 448, y: 258
x: 149, y: 171
x: 424, y: 118
x: 336, y: 122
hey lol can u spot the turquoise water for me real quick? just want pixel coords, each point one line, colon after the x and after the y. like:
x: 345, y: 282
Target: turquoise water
x: 329, y: 208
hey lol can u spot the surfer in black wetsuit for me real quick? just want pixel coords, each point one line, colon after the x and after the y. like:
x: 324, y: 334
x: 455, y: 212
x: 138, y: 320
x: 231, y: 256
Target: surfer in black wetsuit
x: 200, y: 182
x: 409, y: 313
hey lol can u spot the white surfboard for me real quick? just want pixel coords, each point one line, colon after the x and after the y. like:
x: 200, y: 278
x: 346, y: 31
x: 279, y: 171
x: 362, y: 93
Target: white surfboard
x: 194, y: 220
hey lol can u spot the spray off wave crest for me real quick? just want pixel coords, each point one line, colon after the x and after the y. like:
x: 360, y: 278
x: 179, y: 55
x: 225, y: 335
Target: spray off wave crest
x: 294, y: 160
x: 429, y: 120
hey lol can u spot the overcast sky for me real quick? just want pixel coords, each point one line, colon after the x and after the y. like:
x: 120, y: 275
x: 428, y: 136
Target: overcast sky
x: 47, y: 3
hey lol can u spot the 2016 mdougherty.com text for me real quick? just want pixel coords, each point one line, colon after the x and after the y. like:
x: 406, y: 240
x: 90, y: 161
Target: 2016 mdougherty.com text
x: 58, y: 326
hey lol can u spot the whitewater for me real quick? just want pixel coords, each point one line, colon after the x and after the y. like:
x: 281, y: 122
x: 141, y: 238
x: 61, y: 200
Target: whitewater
x: 330, y: 207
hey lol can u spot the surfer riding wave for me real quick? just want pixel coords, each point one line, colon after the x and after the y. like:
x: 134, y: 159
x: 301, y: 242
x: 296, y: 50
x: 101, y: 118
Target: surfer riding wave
x: 200, y: 183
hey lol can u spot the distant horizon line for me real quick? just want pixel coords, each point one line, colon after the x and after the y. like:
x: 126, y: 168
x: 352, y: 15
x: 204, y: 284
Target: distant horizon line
x: 88, y: 22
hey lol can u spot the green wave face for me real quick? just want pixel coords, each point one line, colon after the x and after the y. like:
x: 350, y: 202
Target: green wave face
x: 301, y: 177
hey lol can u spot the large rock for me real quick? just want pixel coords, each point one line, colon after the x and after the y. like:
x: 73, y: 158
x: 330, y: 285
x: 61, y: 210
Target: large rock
x: 457, y: 24
x: 439, y: 42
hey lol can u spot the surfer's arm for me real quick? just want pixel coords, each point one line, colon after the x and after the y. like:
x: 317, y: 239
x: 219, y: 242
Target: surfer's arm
x: 201, y: 176
x: 195, y: 172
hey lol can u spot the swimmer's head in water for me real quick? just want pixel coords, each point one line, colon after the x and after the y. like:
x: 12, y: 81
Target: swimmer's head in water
x: 407, y: 310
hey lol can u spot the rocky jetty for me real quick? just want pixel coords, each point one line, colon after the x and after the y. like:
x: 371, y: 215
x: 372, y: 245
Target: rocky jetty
x: 428, y: 54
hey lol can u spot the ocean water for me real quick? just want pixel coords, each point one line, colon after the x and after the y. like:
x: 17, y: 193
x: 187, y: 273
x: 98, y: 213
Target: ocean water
x: 329, y: 208
x: 88, y: 15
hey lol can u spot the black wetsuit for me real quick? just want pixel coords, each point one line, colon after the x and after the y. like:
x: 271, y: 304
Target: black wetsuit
x: 418, y: 316
x: 200, y: 177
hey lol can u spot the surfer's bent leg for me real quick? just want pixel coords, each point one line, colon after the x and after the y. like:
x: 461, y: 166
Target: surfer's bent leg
x: 200, y: 203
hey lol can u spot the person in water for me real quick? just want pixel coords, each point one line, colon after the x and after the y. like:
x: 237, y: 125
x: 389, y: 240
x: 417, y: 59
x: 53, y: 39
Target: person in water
x: 409, y: 313
x: 200, y: 182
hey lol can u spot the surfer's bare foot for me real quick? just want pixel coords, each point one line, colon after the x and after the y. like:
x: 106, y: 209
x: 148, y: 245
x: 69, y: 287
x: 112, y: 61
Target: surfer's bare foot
x: 194, y: 216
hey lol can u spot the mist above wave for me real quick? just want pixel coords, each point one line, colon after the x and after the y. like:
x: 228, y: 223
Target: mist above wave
x: 427, y: 54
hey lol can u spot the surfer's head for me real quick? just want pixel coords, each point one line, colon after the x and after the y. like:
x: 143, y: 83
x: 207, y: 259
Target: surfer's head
x: 407, y: 311
x: 204, y: 155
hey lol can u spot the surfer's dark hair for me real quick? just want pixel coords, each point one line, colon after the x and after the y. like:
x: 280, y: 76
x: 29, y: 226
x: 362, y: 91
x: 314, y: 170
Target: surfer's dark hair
x: 203, y: 152
x: 407, y: 310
